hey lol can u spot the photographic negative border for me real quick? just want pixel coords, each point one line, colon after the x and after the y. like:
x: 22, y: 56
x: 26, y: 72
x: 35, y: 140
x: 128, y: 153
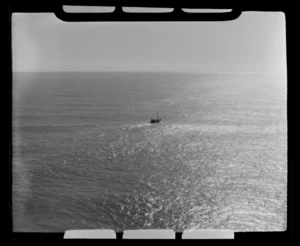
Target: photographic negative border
x: 176, y: 15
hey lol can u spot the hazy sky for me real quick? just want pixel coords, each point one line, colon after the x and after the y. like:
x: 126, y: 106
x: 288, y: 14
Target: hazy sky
x: 255, y: 42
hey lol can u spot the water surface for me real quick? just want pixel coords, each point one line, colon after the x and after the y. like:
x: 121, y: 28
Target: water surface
x: 85, y: 156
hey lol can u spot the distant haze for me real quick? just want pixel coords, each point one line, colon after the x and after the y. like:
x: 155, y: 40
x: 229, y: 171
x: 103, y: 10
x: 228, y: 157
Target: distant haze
x: 255, y: 42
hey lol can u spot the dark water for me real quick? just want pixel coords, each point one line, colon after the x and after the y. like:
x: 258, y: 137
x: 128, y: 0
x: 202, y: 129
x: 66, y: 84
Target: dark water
x: 85, y: 157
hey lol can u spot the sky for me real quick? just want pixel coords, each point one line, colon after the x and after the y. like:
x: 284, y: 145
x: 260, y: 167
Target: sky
x: 253, y: 43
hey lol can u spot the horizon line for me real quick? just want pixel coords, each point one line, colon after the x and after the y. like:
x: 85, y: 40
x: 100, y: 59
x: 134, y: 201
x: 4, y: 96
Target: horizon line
x: 148, y: 71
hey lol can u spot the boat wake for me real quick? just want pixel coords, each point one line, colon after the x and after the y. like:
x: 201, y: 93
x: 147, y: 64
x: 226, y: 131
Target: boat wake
x: 127, y: 127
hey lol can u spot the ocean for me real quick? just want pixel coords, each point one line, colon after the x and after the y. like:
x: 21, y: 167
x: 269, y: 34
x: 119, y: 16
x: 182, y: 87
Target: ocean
x: 85, y: 156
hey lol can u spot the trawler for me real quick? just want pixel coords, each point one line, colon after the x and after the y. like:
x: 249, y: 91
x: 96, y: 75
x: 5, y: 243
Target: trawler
x: 153, y: 120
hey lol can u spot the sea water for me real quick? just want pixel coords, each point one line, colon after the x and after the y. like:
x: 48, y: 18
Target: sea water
x: 85, y: 156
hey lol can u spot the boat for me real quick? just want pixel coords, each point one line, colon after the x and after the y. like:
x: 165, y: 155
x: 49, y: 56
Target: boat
x: 153, y: 120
